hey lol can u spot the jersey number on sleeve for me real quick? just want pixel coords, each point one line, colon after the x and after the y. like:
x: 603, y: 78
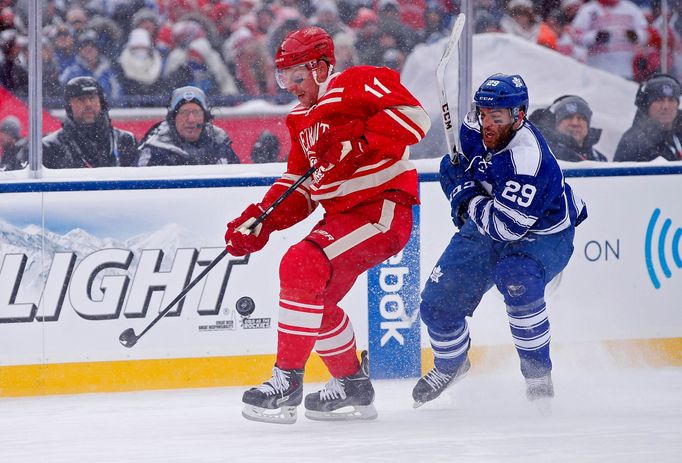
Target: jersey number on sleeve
x: 374, y: 91
x: 512, y: 189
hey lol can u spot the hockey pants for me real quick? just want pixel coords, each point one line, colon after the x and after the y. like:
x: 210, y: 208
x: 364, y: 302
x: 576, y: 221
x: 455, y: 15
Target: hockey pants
x: 316, y: 274
x: 470, y: 265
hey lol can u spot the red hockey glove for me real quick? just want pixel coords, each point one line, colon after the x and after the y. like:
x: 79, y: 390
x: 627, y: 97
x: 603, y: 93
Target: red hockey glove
x: 337, y: 142
x: 240, y: 239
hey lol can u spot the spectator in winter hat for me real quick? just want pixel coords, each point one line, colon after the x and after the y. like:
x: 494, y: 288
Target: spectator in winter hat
x: 223, y: 16
x: 64, y: 47
x: 12, y: 150
x: 87, y: 138
x: 394, y: 59
x: 186, y: 136
x: 10, y: 128
x: 366, y: 26
x: 255, y: 70
x: 575, y: 138
x: 146, y: 19
x: 76, y: 18
x: 266, y: 148
x: 90, y: 62
x: 141, y: 65
x: 435, y: 26
x: 520, y: 20
x: 51, y: 71
x: 344, y: 48
x: 485, y: 22
x: 13, y: 69
x: 569, y: 8
x: 391, y: 27
x: 110, y: 37
x: 327, y: 17
x: 207, y: 69
x: 656, y: 131
x: 265, y: 18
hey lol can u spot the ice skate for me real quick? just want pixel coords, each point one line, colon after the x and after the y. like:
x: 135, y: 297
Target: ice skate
x: 276, y: 400
x: 540, y: 392
x: 348, y: 398
x: 432, y: 385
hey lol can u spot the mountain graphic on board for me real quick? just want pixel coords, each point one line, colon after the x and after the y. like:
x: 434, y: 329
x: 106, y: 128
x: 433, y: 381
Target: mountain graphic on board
x: 39, y: 245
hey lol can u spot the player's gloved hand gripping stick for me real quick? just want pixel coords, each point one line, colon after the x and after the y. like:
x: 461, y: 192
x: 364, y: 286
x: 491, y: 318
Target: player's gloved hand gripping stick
x: 128, y: 338
x: 334, y: 145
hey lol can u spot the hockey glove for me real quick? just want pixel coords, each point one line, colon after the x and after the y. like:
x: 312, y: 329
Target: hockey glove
x: 336, y: 143
x: 451, y: 174
x: 460, y: 197
x: 240, y: 239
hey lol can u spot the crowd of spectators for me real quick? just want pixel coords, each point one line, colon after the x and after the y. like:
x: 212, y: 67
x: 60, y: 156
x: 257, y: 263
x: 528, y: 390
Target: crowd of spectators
x: 139, y: 51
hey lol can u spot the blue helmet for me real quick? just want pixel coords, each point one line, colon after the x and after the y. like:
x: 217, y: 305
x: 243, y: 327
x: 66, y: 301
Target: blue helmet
x: 502, y: 91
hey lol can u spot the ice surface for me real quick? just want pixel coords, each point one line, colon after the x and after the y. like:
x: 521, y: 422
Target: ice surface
x: 600, y: 415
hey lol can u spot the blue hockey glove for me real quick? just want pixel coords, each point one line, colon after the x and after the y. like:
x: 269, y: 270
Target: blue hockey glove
x: 451, y: 175
x: 460, y: 197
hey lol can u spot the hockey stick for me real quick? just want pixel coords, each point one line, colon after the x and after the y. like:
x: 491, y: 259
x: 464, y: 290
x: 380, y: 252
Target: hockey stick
x: 450, y: 132
x: 128, y: 338
x: 451, y: 136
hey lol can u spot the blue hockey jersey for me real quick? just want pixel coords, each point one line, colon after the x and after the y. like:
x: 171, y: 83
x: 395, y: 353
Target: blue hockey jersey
x: 526, y: 188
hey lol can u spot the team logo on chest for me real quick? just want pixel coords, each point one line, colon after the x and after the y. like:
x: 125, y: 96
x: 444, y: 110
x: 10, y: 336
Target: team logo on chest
x: 309, y: 136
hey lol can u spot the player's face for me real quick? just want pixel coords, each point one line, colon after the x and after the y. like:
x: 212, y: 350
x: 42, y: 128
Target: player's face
x: 189, y: 121
x: 299, y: 80
x: 85, y: 108
x: 574, y: 125
x: 497, y: 126
x: 664, y: 110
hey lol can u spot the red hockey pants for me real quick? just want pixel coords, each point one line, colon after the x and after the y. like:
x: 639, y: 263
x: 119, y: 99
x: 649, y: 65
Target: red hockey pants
x: 316, y: 273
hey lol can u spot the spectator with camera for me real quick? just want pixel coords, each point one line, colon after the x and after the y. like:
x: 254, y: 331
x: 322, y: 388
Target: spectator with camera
x: 186, y: 136
x: 657, y: 128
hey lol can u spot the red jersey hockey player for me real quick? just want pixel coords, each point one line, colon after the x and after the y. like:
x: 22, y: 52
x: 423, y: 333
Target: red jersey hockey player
x: 356, y: 127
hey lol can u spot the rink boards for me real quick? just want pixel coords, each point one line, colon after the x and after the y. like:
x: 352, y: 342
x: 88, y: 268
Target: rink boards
x: 84, y: 259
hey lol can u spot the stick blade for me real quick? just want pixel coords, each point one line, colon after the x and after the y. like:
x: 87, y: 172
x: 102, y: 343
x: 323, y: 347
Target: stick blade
x: 128, y: 338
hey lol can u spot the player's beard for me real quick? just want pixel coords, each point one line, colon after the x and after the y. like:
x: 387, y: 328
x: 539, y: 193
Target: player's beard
x: 500, y: 139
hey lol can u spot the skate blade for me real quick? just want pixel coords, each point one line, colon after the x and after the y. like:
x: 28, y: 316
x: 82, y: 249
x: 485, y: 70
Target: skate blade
x: 284, y: 415
x: 350, y: 413
x: 419, y: 403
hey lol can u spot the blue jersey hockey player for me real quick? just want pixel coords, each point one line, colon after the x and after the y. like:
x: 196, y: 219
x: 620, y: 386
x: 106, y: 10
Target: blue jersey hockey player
x: 516, y: 218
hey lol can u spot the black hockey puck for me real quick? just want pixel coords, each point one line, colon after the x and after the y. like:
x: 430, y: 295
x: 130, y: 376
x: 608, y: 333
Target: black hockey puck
x: 245, y: 306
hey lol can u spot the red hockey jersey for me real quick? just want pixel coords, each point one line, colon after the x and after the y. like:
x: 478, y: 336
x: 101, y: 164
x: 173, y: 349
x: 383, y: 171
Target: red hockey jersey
x: 394, y: 119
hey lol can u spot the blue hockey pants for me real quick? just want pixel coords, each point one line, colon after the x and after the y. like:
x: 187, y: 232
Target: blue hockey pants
x: 470, y: 265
